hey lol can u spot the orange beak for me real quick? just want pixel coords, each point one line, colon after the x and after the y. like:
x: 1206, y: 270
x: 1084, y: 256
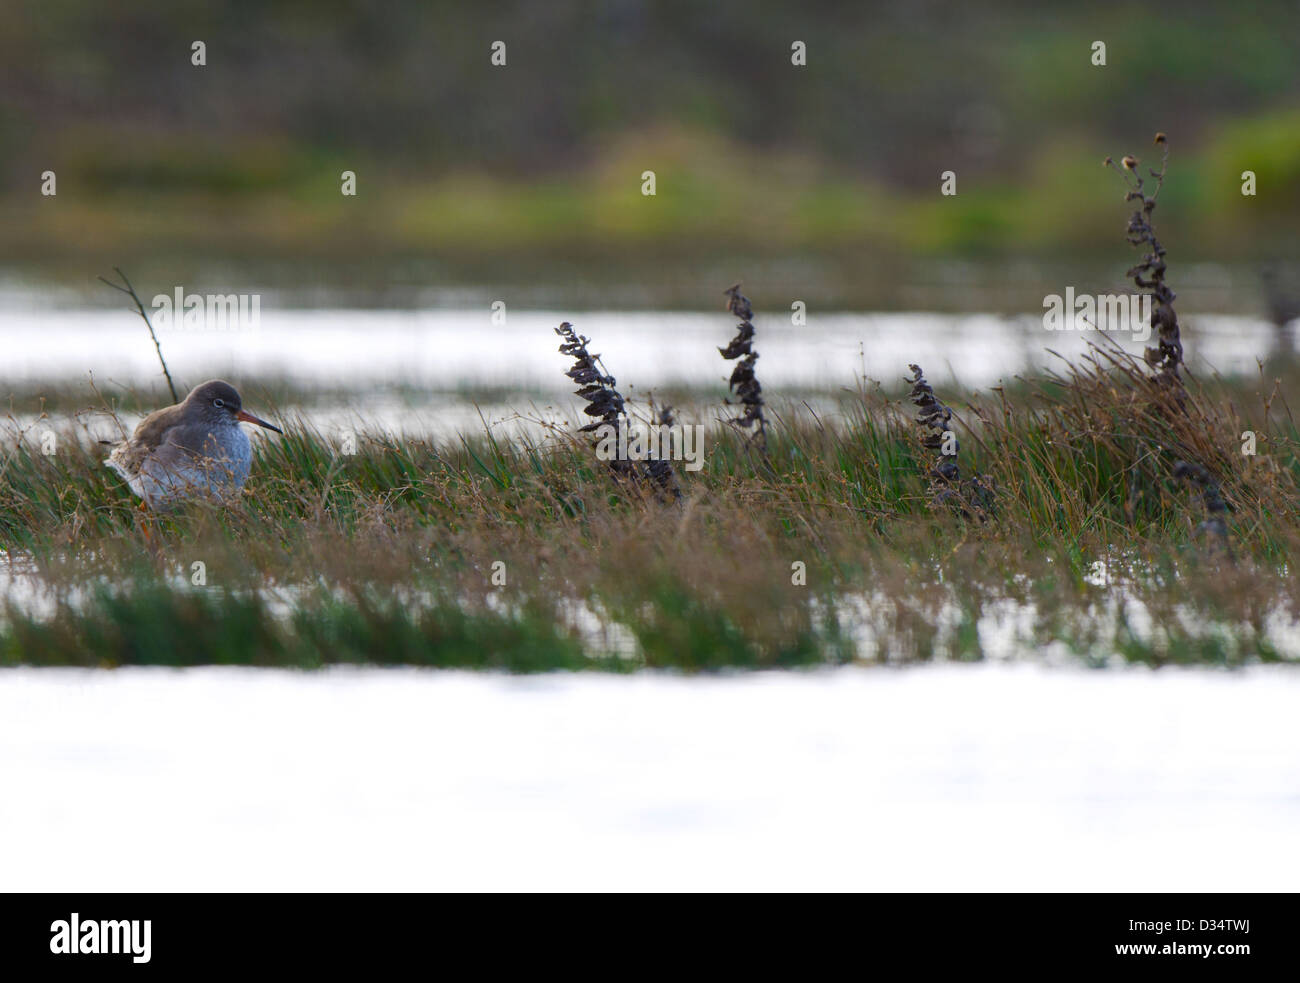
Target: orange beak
x: 249, y: 418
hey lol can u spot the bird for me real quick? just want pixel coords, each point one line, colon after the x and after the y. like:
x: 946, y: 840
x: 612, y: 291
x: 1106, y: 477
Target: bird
x: 194, y: 449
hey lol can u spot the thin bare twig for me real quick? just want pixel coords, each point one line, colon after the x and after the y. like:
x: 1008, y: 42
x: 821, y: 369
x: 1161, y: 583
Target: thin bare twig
x: 130, y: 292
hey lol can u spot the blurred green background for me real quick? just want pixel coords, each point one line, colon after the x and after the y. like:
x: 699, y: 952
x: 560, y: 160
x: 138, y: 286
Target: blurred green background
x: 821, y: 179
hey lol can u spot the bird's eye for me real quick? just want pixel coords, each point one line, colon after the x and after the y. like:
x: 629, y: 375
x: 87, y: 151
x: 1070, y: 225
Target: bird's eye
x: 219, y: 402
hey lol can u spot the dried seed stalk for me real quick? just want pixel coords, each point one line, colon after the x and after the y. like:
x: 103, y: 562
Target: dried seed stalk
x: 1149, y: 275
x: 606, y: 404
x: 659, y: 469
x: 744, y: 384
x: 975, y: 495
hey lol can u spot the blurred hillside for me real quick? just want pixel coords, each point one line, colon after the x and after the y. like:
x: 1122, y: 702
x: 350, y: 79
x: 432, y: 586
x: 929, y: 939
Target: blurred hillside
x: 471, y: 172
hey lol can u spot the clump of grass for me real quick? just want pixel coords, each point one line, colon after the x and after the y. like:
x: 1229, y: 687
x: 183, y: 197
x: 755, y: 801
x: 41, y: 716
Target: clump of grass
x: 385, y: 555
x: 155, y: 623
x: 744, y: 383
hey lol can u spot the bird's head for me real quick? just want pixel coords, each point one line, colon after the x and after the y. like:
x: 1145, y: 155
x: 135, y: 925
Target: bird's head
x: 219, y: 403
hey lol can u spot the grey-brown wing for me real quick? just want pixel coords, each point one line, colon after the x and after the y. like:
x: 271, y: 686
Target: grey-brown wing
x: 151, y: 432
x: 196, y: 438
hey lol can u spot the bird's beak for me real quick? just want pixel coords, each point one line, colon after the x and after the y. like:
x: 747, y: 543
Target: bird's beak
x: 249, y: 418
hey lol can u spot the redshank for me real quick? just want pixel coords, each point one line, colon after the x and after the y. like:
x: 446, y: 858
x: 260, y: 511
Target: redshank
x: 193, y: 449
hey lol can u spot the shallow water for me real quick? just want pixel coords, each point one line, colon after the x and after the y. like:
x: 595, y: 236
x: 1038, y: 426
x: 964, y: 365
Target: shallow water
x: 442, y: 373
x: 444, y: 350
x: 927, y: 779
